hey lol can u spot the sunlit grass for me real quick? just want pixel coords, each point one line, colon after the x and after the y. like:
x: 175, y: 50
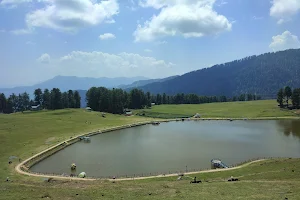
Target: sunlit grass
x: 25, y: 134
x: 249, y: 109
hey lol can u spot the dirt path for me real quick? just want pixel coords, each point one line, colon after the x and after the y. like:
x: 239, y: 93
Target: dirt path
x: 18, y: 169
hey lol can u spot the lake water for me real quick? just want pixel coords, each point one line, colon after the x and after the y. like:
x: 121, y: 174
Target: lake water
x: 175, y: 146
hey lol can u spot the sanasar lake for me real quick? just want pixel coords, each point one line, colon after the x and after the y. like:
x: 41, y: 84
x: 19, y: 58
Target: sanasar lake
x: 176, y: 146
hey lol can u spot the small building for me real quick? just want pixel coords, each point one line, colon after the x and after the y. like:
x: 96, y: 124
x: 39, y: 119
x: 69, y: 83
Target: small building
x: 127, y: 112
x: 35, y: 108
x: 152, y: 104
x: 88, y: 109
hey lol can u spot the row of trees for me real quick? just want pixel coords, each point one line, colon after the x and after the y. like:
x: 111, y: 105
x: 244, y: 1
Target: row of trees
x: 116, y: 100
x: 14, y: 103
x: 286, y: 94
x: 53, y: 99
x: 195, y: 99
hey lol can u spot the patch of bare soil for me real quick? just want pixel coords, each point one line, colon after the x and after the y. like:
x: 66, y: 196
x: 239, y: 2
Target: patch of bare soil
x: 50, y: 140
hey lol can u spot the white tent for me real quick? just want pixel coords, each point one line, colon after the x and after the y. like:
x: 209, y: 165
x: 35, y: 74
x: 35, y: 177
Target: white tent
x: 82, y: 175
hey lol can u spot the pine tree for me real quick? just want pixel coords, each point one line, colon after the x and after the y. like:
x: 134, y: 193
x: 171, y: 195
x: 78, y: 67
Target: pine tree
x: 280, y: 97
x: 38, y: 96
x: 296, y: 98
x: 46, y: 99
x: 287, y: 94
x: 77, y: 99
x: 56, y: 99
x: 3, y: 103
x: 65, y: 100
x: 71, y: 99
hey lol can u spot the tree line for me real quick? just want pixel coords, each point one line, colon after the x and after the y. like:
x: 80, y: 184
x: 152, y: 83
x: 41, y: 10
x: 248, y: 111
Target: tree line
x: 51, y: 100
x: 182, y: 98
x: 117, y: 100
x: 286, y: 94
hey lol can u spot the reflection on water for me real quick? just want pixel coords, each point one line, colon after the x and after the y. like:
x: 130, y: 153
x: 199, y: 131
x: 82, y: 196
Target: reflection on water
x: 290, y: 127
x: 176, y: 146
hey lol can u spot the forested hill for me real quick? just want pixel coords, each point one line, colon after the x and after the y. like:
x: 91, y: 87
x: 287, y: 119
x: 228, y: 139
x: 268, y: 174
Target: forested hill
x: 262, y: 75
x: 141, y: 83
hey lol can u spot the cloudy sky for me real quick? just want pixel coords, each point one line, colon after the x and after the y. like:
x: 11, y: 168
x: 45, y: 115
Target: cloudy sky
x: 40, y: 39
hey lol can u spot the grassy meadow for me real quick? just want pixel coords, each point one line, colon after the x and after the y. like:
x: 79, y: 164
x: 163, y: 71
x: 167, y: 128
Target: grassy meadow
x: 248, y: 109
x: 24, y: 134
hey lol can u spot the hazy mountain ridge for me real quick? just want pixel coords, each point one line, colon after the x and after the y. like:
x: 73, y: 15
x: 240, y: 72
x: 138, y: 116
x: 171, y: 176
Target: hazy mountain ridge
x: 65, y: 83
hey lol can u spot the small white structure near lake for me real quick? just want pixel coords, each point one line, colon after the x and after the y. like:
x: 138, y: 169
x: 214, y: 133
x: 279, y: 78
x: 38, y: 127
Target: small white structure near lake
x: 35, y: 108
x: 197, y: 115
x: 88, y: 109
x: 127, y: 112
x: 82, y: 175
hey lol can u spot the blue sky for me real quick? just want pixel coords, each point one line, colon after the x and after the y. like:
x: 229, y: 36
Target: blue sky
x: 154, y: 38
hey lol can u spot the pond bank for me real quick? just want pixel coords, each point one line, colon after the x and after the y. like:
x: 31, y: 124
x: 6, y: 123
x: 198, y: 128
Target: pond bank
x: 19, y: 170
x: 25, y: 165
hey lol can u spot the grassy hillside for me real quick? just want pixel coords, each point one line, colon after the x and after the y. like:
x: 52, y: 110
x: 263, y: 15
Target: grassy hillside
x: 249, y: 109
x: 25, y: 134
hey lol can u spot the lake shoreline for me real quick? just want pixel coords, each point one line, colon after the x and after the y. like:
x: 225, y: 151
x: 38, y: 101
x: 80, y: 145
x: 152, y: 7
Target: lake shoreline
x: 24, y: 167
x: 57, y: 177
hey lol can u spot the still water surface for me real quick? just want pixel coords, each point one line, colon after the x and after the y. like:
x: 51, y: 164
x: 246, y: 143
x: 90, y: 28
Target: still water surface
x: 173, y: 146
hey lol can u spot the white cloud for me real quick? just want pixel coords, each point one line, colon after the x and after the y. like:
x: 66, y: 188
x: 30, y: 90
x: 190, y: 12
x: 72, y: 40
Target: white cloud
x: 111, y: 21
x: 281, y: 21
x: 148, y: 50
x: 257, y: 18
x: 107, y: 36
x: 283, y: 10
x: 30, y: 43
x: 187, y: 18
x: 284, y: 41
x: 96, y: 64
x: 132, y: 5
x: 70, y: 15
x: 14, y: 2
x: 45, y: 58
x: 161, y: 42
x: 21, y: 31
x: 222, y: 3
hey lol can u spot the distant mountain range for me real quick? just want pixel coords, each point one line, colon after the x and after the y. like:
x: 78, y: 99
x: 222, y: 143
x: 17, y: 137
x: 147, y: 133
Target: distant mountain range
x: 65, y: 83
x: 263, y: 75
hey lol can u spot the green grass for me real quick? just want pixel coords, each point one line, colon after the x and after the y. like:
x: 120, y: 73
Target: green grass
x: 250, y: 109
x: 25, y: 134
x: 271, y: 179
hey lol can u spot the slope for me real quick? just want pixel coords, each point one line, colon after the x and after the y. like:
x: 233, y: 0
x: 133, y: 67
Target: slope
x: 263, y: 75
x: 141, y: 83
